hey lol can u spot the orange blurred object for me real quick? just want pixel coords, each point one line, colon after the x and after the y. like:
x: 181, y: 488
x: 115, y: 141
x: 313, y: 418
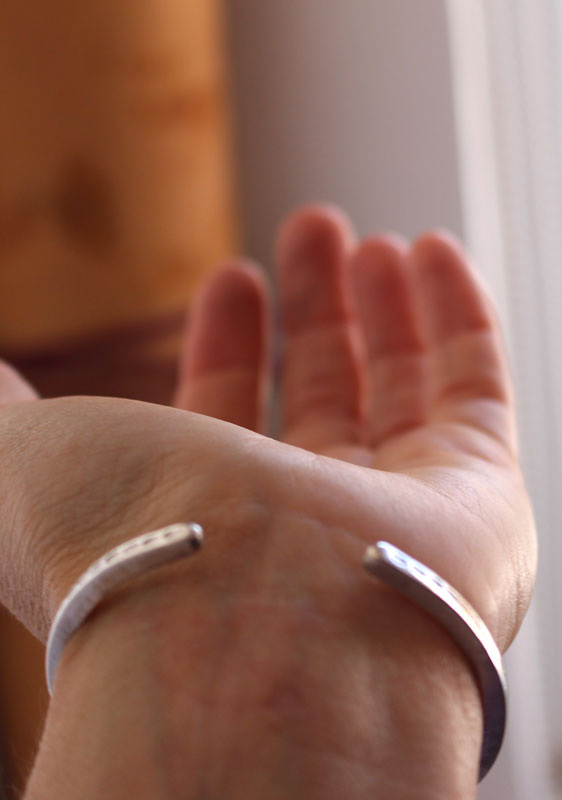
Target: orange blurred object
x: 116, y: 192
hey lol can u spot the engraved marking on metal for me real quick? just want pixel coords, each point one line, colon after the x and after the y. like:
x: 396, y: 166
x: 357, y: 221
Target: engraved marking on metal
x: 430, y: 591
x: 125, y: 561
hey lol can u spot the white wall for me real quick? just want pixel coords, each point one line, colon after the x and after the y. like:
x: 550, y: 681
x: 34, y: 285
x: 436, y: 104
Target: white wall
x: 346, y: 101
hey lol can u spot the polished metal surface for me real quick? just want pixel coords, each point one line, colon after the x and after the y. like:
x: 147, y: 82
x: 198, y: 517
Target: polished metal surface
x: 125, y: 561
x: 385, y: 561
x: 432, y: 593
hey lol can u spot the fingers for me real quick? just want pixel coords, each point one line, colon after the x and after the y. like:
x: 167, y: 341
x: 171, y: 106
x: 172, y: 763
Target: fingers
x: 395, y: 350
x: 321, y: 376
x: 419, y: 343
x: 470, y: 381
x: 433, y: 347
x: 13, y: 386
x: 224, y: 369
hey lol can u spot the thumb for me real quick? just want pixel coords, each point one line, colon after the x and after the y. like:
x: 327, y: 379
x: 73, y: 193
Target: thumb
x: 13, y: 386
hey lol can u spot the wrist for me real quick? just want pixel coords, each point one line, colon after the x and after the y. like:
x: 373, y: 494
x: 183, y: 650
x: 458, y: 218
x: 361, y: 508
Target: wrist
x: 268, y: 697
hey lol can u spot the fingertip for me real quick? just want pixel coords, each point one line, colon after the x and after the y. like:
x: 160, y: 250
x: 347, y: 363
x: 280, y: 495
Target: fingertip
x: 440, y: 248
x: 13, y: 386
x: 383, y: 296
x: 313, y: 228
x: 436, y: 237
x: 240, y: 280
x: 384, y: 252
x: 312, y: 254
x: 392, y: 241
x: 227, y: 327
x: 223, y: 367
x: 452, y: 292
x: 441, y: 253
x: 378, y: 273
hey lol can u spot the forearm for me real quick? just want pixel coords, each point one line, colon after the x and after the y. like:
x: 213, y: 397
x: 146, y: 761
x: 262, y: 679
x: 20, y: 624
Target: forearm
x: 166, y: 696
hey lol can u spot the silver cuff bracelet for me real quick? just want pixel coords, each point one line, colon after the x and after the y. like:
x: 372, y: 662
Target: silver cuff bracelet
x: 414, y: 580
x: 449, y: 608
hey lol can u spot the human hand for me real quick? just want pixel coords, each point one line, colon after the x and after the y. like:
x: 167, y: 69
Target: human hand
x: 393, y: 362
x: 427, y: 461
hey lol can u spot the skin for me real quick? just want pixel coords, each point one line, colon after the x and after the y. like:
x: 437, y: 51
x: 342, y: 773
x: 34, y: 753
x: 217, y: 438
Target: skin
x: 271, y: 665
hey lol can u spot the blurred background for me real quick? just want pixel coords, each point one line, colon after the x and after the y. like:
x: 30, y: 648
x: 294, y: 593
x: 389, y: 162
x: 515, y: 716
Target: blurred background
x: 140, y: 145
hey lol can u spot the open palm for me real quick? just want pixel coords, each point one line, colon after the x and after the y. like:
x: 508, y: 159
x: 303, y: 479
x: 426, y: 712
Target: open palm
x: 392, y: 362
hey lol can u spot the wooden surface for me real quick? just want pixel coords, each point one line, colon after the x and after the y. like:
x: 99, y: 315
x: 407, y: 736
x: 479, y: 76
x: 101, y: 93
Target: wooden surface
x: 115, y: 163
x: 116, y: 197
